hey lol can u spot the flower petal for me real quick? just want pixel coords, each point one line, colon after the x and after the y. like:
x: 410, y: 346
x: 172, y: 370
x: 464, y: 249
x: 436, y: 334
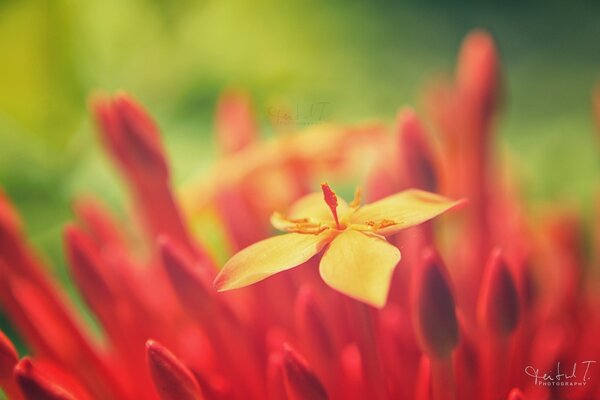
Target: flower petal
x: 269, y: 256
x: 360, y: 266
x: 402, y: 210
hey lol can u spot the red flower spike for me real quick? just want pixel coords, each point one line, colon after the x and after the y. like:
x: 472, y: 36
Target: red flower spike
x: 300, y: 382
x: 36, y: 386
x: 172, y: 379
x: 133, y: 139
x: 216, y: 319
x: 434, y: 308
x: 416, y: 157
x: 89, y: 272
x: 236, y: 126
x: 331, y: 199
x: 498, y: 305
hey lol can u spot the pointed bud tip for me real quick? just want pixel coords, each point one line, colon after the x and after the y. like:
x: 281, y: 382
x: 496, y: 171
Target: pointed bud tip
x: 172, y: 379
x: 498, y: 304
x: 191, y: 284
x: 300, y: 381
x: 434, y: 307
x: 478, y: 69
x: 416, y: 155
x: 35, y: 385
x: 236, y: 125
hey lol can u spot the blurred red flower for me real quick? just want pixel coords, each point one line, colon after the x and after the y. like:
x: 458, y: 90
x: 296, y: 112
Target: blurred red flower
x: 486, y: 303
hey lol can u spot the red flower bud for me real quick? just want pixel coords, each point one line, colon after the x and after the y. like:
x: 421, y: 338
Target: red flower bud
x: 236, y: 127
x: 37, y: 386
x: 433, y: 307
x: 416, y: 157
x: 86, y: 269
x: 172, y: 379
x: 194, y: 292
x: 131, y: 136
x: 477, y: 74
x: 300, y: 381
x: 498, y: 304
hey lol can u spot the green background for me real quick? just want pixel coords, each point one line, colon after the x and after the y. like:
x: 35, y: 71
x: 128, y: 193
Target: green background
x: 363, y: 59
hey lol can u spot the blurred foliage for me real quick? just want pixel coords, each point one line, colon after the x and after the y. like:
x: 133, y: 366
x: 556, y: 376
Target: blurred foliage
x: 363, y: 59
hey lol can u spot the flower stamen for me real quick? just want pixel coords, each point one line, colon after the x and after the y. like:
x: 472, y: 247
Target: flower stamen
x: 331, y: 199
x: 356, y: 201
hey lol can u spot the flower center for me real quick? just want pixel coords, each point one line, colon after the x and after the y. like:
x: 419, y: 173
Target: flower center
x: 332, y: 202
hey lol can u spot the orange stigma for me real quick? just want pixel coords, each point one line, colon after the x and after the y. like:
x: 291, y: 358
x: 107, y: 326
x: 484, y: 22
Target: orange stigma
x: 331, y: 199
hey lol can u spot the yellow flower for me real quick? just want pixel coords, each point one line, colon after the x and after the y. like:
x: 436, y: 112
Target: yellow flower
x: 358, y: 261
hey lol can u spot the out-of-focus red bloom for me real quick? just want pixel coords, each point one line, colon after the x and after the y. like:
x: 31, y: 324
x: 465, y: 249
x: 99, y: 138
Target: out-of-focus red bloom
x: 485, y: 304
x: 254, y: 177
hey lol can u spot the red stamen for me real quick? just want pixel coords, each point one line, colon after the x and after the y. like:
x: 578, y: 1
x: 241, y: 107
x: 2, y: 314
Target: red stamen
x: 331, y: 199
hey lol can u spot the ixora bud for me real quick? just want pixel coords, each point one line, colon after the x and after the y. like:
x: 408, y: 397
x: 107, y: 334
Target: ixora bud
x: 131, y: 136
x: 498, y: 305
x: 35, y: 385
x: 301, y: 383
x: 477, y: 72
x: 235, y: 123
x: 416, y: 156
x: 86, y: 269
x: 173, y: 380
x: 433, y: 307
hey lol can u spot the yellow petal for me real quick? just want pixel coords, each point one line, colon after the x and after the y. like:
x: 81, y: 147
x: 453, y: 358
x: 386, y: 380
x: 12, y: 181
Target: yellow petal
x: 313, y: 207
x: 282, y: 223
x: 402, y: 210
x: 360, y: 266
x: 269, y: 256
